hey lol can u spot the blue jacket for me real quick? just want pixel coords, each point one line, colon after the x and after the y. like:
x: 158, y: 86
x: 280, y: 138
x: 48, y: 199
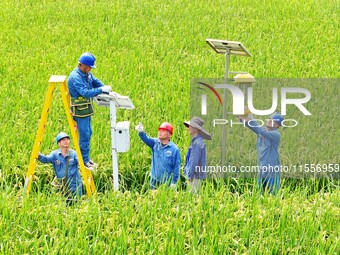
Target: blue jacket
x: 166, y: 160
x: 267, y: 148
x: 85, y: 85
x: 58, y: 161
x: 195, y: 162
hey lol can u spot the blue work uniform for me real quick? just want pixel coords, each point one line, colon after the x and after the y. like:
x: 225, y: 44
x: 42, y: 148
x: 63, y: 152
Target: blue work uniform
x: 59, y: 162
x: 267, y: 145
x: 195, y: 161
x: 88, y: 86
x: 166, y: 161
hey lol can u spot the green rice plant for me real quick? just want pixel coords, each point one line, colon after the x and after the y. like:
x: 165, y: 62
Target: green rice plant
x: 150, y: 51
x: 216, y: 221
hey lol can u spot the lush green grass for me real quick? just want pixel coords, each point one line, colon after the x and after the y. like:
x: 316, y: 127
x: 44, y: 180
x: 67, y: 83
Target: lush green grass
x: 150, y: 50
x: 153, y: 50
x: 218, y: 221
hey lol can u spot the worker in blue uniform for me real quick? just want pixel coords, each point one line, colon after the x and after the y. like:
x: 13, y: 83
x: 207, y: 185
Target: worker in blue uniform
x: 66, y: 167
x: 268, y: 141
x: 83, y: 86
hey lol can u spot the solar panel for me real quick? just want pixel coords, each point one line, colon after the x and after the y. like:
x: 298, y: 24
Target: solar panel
x: 230, y: 47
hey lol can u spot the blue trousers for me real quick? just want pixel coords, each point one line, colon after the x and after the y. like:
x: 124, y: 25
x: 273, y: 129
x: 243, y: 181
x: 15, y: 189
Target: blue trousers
x: 154, y: 183
x: 270, y: 183
x: 85, y: 132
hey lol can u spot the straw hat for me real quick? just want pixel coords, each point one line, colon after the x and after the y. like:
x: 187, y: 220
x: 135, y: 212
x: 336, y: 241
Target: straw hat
x: 198, y: 123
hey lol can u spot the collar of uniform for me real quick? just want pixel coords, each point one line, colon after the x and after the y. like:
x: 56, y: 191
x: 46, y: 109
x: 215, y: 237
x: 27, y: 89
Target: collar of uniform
x: 169, y: 144
x: 196, y: 137
x: 81, y: 72
x: 60, y: 153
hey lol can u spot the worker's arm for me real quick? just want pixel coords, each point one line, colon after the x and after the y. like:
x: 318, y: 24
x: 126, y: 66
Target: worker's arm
x: 146, y: 139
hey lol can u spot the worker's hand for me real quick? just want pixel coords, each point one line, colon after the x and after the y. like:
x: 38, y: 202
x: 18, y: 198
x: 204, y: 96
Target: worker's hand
x: 140, y: 127
x: 173, y: 186
x: 114, y: 94
x: 241, y: 117
x: 245, y: 118
x: 106, y: 89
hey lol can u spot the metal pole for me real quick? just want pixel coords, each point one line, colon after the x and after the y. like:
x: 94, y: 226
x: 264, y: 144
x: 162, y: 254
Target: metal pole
x: 114, y: 147
x: 227, y: 66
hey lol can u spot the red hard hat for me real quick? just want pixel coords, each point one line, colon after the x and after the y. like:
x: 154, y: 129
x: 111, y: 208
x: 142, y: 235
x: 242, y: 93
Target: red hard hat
x: 166, y: 126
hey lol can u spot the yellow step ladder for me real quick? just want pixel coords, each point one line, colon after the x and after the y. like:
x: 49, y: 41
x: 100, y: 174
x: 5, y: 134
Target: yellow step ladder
x: 86, y: 174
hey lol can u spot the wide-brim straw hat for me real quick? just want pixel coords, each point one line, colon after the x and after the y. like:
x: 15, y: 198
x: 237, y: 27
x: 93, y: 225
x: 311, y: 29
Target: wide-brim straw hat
x: 198, y: 123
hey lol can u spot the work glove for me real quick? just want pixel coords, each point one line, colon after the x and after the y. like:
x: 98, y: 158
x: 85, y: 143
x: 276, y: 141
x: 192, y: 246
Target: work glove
x: 114, y: 94
x: 246, y: 116
x: 106, y: 89
x: 173, y: 186
x: 140, y: 127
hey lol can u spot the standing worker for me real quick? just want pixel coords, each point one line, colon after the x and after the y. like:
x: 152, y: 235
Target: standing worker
x: 195, y: 162
x: 83, y: 86
x: 268, y: 141
x: 66, y: 166
x: 166, y: 159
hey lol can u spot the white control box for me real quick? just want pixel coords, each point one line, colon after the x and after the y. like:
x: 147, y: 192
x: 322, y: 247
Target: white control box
x: 122, y: 136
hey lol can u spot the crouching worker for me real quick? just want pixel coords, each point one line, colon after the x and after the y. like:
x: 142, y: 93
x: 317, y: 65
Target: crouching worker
x: 195, y: 162
x: 166, y: 158
x: 65, y: 164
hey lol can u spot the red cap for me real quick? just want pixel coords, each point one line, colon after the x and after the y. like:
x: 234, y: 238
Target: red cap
x: 166, y: 126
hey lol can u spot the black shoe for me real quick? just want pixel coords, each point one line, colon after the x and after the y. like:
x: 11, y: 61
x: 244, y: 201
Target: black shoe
x: 92, y: 163
x: 89, y: 166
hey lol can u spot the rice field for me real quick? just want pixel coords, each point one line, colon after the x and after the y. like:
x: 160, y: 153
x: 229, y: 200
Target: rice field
x: 151, y: 51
